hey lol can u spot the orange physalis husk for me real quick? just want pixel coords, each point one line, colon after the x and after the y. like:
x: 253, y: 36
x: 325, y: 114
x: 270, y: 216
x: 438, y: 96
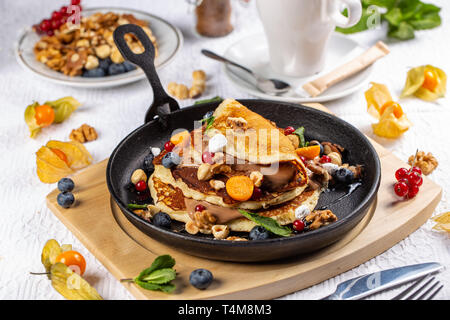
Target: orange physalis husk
x: 51, y: 168
x: 376, y: 97
x: 443, y: 222
x: 415, y: 83
x: 390, y: 126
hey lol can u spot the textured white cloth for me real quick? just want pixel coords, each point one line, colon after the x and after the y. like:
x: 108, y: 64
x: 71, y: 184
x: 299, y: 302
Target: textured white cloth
x: 26, y: 222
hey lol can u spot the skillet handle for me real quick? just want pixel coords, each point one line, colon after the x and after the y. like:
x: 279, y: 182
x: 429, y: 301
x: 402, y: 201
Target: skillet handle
x: 162, y: 104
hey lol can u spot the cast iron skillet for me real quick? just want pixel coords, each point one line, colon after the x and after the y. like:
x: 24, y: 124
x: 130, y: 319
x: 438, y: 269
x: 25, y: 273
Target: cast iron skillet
x: 130, y: 152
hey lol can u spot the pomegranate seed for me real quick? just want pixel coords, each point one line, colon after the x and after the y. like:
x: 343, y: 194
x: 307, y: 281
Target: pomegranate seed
x: 257, y: 193
x: 56, y: 15
x: 75, y: 2
x: 289, y: 130
x: 401, y: 189
x: 413, y: 191
x: 45, y: 25
x: 401, y: 173
x: 168, y: 146
x: 141, y: 186
x: 414, y: 178
x: 325, y: 159
x: 299, y: 225
x: 199, y: 207
x: 207, y: 157
x: 416, y: 169
x: 303, y: 159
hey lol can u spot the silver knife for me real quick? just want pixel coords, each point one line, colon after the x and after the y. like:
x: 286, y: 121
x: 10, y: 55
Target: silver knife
x: 366, y: 285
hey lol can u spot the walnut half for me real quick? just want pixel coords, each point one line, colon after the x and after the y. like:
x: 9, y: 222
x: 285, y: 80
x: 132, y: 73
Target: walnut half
x: 426, y: 162
x: 83, y: 134
x: 319, y: 218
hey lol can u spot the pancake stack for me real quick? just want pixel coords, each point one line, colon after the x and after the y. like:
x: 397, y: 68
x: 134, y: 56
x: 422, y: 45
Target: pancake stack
x: 249, y: 146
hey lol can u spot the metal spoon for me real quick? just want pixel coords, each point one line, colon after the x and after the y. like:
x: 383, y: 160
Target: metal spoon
x: 269, y: 86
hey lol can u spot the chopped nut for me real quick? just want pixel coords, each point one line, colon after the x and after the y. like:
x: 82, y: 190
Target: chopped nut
x: 204, y: 172
x: 217, y: 184
x: 335, y: 158
x: 220, y: 231
x: 218, y: 157
x: 220, y: 168
x: 426, y: 162
x: 138, y: 175
x: 83, y: 134
x: 179, y: 91
x: 235, y: 238
x: 198, y: 84
x: 191, y: 227
x: 257, y: 178
x: 82, y: 43
x: 204, y: 220
x: 319, y: 218
x: 329, y: 147
x: 91, y: 62
x: 103, y: 51
x: 116, y: 56
x: 295, y: 140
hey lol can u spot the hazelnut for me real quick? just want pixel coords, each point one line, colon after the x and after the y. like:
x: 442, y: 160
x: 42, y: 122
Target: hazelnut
x: 138, y: 175
x: 257, y: 178
x: 91, y: 62
x: 335, y: 158
x: 191, y: 227
x: 220, y: 231
x: 115, y: 56
x: 217, y: 184
x: 82, y: 43
x: 103, y: 51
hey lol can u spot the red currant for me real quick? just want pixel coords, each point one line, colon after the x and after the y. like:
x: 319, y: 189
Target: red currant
x: 303, y: 159
x: 207, y: 157
x: 56, y: 15
x: 141, y: 186
x: 401, y: 189
x: 416, y: 169
x: 289, y: 130
x: 45, y: 25
x: 413, y: 191
x: 50, y: 33
x: 56, y: 24
x: 325, y: 159
x: 75, y: 2
x: 63, y: 11
x: 168, y: 146
x: 199, y: 207
x: 257, y: 193
x: 414, y: 178
x: 299, y: 225
x: 401, y: 173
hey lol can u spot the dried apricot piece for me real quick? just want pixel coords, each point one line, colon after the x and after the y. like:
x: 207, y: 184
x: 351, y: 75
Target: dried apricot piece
x: 309, y: 152
x: 240, y: 188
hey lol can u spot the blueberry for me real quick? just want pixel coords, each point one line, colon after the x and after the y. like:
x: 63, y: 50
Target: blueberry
x: 170, y: 159
x: 201, y: 278
x: 94, y: 73
x: 104, y: 64
x: 208, y: 115
x: 148, y: 163
x: 66, y: 185
x: 65, y: 199
x: 259, y: 233
x: 129, y: 66
x: 162, y: 220
x: 115, y: 69
x: 344, y: 175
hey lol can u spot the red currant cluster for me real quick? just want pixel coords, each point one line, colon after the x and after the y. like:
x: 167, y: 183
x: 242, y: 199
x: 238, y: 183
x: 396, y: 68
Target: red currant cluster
x: 408, y: 182
x: 58, y: 18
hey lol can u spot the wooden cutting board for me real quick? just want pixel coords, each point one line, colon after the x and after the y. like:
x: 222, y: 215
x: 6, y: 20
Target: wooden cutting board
x: 124, y: 250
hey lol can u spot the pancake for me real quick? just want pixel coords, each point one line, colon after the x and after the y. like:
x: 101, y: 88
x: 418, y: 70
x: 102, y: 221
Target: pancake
x: 171, y: 200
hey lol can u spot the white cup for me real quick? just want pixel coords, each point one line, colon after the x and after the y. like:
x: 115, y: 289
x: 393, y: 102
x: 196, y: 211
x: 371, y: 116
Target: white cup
x: 297, y: 31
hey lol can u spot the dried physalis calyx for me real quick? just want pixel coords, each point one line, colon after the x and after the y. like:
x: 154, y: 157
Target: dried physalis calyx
x: 442, y: 222
x: 426, y: 162
x: 83, y: 134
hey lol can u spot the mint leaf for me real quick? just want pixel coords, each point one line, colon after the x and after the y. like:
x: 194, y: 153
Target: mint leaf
x: 429, y: 21
x: 161, y: 262
x: 209, y: 122
x: 300, y: 132
x: 404, y: 31
x: 160, y: 276
x: 167, y: 288
x: 394, y: 16
x: 268, y: 223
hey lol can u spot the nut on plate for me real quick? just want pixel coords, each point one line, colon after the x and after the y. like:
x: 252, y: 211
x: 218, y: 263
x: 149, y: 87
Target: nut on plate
x: 204, y: 172
x: 426, y: 162
x: 220, y: 231
x: 83, y: 134
x: 91, y: 62
x: 138, y: 175
x: 335, y: 158
x: 217, y: 184
x: 319, y: 218
x: 191, y: 227
x: 236, y: 238
x: 257, y: 178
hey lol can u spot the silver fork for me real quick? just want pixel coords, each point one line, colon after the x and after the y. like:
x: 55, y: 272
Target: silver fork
x: 425, y: 289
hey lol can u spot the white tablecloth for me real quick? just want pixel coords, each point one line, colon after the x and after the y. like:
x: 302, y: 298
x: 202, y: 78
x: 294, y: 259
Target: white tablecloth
x: 26, y: 222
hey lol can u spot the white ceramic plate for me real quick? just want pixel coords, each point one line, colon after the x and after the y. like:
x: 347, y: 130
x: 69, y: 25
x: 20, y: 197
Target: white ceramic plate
x: 252, y: 52
x: 169, y: 40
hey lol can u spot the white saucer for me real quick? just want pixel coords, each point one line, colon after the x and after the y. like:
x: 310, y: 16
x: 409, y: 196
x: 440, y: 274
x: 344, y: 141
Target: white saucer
x: 252, y: 52
x: 169, y: 40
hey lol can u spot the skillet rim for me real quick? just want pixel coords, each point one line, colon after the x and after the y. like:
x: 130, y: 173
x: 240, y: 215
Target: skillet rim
x: 356, y: 215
